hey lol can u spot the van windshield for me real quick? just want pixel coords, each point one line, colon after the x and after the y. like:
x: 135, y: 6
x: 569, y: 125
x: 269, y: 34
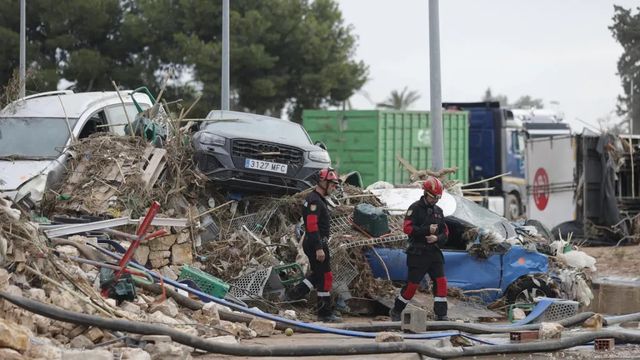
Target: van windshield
x: 33, y: 137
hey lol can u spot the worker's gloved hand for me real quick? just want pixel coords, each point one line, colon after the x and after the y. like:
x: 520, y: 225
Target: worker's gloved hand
x: 431, y: 239
x: 320, y: 255
x: 433, y: 228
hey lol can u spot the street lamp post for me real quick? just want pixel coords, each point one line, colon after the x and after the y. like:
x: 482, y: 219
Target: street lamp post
x: 23, y: 50
x: 224, y: 104
x: 436, y: 95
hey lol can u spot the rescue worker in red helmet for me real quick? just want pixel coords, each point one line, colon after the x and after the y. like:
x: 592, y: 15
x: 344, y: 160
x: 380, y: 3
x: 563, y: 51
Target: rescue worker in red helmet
x: 427, y: 231
x: 315, y: 214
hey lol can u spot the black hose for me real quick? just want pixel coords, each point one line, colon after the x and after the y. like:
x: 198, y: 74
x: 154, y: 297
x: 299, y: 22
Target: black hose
x: 612, y: 320
x: 496, y: 329
x: 312, y: 350
x: 215, y: 347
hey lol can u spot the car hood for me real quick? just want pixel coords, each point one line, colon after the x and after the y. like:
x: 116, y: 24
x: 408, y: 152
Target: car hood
x: 15, y: 173
x: 231, y: 134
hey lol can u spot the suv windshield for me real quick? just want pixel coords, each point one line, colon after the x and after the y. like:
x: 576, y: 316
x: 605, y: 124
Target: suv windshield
x: 274, y: 129
x: 26, y: 137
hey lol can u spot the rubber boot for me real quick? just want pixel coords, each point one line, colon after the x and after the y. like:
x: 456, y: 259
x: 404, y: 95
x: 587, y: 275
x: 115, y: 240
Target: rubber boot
x: 396, y: 311
x: 440, y: 310
x: 325, y: 313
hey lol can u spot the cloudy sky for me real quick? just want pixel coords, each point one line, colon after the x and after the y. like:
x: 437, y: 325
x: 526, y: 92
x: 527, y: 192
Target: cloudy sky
x: 557, y: 50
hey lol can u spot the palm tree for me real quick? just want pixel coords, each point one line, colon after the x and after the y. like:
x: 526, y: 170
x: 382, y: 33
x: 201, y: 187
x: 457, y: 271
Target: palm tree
x: 400, y: 100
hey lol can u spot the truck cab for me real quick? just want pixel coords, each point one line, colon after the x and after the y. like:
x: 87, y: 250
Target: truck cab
x: 497, y: 146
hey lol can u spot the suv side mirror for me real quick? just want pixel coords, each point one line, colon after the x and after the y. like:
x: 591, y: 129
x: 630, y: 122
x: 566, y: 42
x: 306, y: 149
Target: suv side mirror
x: 321, y: 145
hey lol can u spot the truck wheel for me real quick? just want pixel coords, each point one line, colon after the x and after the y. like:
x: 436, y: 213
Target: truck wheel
x: 512, y: 207
x: 526, y: 289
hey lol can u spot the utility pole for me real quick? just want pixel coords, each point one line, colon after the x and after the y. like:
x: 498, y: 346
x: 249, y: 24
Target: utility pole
x: 631, y: 120
x: 224, y: 105
x: 436, y: 95
x: 23, y: 49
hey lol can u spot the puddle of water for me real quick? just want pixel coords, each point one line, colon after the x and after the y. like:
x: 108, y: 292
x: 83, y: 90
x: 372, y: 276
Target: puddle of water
x: 615, y: 297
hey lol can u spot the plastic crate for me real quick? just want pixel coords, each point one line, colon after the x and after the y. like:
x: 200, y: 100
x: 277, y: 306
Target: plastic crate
x: 289, y: 274
x: 206, y: 282
x: 560, y: 309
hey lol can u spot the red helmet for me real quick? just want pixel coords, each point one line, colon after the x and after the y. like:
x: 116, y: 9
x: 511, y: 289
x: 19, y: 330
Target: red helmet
x: 433, y: 186
x: 329, y: 174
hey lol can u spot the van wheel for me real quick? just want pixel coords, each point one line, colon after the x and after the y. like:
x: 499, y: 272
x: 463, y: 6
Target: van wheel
x: 512, y: 207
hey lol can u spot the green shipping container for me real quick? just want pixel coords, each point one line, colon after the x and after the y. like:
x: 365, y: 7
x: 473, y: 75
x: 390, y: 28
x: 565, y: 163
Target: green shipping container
x: 368, y: 141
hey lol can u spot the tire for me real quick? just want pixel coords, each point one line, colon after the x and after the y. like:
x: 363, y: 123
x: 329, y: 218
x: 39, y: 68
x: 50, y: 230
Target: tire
x: 527, y: 288
x: 512, y: 207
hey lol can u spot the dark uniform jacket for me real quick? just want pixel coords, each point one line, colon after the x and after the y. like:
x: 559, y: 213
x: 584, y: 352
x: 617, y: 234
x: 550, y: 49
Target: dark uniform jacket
x: 316, y: 220
x: 418, y: 219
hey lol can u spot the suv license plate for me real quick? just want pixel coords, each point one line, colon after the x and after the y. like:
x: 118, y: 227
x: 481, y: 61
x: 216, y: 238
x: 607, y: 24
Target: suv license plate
x: 265, y: 165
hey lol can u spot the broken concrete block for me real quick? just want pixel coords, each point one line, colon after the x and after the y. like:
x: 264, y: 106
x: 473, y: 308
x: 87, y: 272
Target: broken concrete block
x: 134, y: 354
x: 167, y: 351
x: 183, y: 237
x: 167, y: 307
x: 141, y: 255
x: 11, y: 290
x: 68, y: 250
x: 37, y: 294
x: 262, y: 327
x: 130, y: 307
x: 226, y: 339
x: 550, y: 331
x: 97, y: 354
x: 10, y: 354
x: 163, y: 243
x: 162, y: 318
x: 94, y: 334
x: 80, y: 342
x: 594, y: 322
x: 62, y: 339
x: 389, y: 337
x: 168, y: 272
x: 42, y: 324
x: 518, y: 314
x: 210, y: 310
x: 66, y: 301
x: 181, y: 254
x: 4, y: 278
x: 238, y: 329
x: 13, y: 336
x: 78, y: 330
x: 44, y: 351
x: 290, y: 314
x: 159, y: 259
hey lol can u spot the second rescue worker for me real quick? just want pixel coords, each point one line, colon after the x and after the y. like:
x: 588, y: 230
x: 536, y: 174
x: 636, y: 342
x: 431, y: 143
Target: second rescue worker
x: 315, y: 214
x: 424, y: 223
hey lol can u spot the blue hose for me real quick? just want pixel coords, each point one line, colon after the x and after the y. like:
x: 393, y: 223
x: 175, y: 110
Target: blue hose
x: 318, y: 328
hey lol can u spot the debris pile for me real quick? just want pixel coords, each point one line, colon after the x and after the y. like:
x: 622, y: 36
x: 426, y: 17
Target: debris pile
x: 131, y: 220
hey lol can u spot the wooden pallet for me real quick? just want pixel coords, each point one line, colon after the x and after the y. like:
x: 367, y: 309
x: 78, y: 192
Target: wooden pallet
x: 153, y: 166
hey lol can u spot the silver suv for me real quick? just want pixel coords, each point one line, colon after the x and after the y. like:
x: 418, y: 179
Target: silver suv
x: 34, y: 135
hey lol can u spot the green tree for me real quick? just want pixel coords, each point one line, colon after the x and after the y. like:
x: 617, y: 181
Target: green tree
x: 79, y: 40
x: 502, y: 99
x: 283, y: 52
x: 523, y: 102
x: 626, y: 30
x: 400, y: 100
x: 528, y: 102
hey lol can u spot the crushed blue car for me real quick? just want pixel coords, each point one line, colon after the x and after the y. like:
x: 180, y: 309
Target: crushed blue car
x: 513, y: 273
x: 482, y: 256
